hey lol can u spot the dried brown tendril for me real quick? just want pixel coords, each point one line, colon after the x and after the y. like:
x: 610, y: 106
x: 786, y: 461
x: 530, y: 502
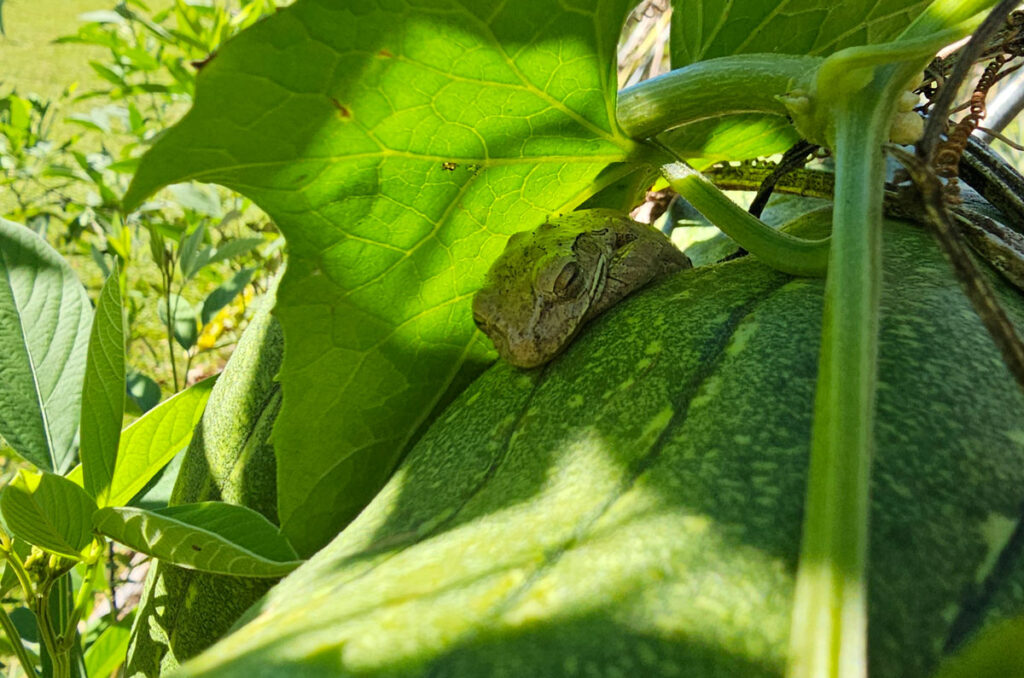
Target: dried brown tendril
x: 1010, y: 44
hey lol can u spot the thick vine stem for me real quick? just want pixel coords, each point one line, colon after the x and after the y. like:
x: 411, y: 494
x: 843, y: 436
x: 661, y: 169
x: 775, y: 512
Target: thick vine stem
x: 744, y: 83
x: 779, y: 250
x: 828, y: 636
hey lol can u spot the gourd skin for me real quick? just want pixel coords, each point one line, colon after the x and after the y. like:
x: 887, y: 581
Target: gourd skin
x: 634, y: 508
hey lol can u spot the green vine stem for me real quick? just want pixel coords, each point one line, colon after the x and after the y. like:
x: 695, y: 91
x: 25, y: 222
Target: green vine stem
x: 828, y: 636
x: 779, y: 250
x: 744, y: 83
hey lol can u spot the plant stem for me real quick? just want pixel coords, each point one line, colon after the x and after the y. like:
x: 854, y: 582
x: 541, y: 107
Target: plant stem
x: 829, y: 630
x: 828, y: 636
x: 27, y: 665
x: 168, y: 278
x: 81, y: 599
x: 746, y: 83
x: 779, y: 250
x: 58, y: 656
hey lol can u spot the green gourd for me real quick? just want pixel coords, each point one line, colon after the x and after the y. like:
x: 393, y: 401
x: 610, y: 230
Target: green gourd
x: 634, y: 507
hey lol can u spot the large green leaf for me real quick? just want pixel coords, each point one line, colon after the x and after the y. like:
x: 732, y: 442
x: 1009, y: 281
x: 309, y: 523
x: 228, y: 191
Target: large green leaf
x: 635, y: 508
x: 706, y: 29
x: 49, y: 511
x: 396, y: 147
x: 104, y: 390
x: 209, y: 536
x: 44, y: 331
x: 151, y: 441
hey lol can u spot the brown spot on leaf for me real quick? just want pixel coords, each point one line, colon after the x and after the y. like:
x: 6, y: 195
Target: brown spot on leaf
x: 385, y: 53
x: 343, y: 111
x: 449, y: 166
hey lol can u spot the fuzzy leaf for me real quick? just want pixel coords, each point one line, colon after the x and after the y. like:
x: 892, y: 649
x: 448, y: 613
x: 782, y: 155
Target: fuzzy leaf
x: 104, y: 389
x: 152, y: 440
x: 44, y: 331
x: 209, y: 536
x: 396, y: 148
x: 49, y: 511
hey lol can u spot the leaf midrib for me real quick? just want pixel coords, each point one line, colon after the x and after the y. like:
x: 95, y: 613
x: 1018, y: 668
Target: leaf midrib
x: 31, y: 360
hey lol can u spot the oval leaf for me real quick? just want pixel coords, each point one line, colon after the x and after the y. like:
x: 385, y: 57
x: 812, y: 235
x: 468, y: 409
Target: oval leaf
x: 151, y: 441
x: 209, y: 536
x: 222, y: 296
x: 104, y: 389
x: 143, y: 390
x: 185, y: 324
x: 44, y: 331
x: 49, y: 511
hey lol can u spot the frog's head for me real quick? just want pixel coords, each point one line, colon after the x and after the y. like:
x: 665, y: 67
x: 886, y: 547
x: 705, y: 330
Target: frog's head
x: 537, y: 293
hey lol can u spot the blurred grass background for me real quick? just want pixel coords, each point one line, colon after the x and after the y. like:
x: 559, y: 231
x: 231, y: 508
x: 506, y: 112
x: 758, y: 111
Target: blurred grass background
x: 29, y: 60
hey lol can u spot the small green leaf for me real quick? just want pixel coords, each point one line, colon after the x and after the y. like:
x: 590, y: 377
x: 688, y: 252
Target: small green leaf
x: 104, y: 389
x: 8, y: 579
x: 152, y: 440
x: 48, y: 511
x: 209, y: 536
x: 143, y: 391
x: 185, y: 326
x: 222, y: 296
x: 107, y: 652
x: 45, y: 316
x: 189, y: 251
x: 198, y: 198
x: 234, y: 248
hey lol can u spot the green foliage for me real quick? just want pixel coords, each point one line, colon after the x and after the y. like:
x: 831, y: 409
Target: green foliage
x: 210, y: 536
x: 996, y: 653
x: 151, y: 441
x: 107, y: 652
x: 397, y: 148
x: 183, y: 612
x: 44, y: 330
x: 104, y: 390
x: 378, y: 285
x: 48, y: 511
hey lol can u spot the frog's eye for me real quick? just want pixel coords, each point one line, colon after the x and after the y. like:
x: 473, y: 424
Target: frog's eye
x: 569, y: 281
